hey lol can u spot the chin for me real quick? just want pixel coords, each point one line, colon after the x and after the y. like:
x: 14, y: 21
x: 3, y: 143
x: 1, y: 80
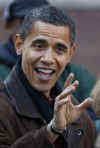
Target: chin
x: 41, y: 88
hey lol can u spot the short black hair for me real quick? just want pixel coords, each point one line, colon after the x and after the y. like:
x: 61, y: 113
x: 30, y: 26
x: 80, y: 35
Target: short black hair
x: 47, y: 14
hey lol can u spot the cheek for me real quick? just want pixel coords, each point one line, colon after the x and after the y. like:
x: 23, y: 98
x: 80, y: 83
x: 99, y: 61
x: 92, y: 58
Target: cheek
x: 32, y: 57
x: 63, y: 61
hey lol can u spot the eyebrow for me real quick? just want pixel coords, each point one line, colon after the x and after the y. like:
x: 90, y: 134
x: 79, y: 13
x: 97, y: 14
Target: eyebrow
x: 43, y: 41
x: 62, y: 45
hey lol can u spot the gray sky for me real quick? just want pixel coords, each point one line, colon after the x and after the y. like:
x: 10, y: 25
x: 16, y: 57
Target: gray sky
x: 78, y: 4
x: 4, y: 3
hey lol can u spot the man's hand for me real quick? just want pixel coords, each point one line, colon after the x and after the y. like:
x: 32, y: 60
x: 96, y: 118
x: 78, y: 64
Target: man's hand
x: 64, y: 111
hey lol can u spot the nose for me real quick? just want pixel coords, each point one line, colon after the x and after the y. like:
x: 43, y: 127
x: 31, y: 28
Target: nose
x: 48, y: 57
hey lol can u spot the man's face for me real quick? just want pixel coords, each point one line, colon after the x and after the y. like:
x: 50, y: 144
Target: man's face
x: 45, y: 53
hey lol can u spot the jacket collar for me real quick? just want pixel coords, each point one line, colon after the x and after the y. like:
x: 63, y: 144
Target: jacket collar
x: 19, y: 97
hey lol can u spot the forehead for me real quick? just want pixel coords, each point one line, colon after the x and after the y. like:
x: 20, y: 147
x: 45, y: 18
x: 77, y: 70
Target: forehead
x: 47, y: 30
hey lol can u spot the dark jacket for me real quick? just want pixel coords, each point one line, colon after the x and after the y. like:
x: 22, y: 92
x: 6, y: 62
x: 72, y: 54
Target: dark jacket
x: 8, y: 54
x: 22, y: 126
x: 8, y: 57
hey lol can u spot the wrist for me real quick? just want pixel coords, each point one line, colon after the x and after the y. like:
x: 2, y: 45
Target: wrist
x: 54, y: 129
x: 51, y: 135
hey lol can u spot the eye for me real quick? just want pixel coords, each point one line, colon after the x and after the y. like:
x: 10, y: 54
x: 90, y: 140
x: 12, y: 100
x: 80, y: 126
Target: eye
x: 61, y: 50
x: 38, y: 45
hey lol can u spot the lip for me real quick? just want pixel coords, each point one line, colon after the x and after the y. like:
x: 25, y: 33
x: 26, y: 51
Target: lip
x: 42, y: 76
x: 46, y: 68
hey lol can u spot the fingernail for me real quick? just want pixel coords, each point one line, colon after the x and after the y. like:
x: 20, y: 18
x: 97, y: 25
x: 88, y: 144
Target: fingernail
x: 72, y: 74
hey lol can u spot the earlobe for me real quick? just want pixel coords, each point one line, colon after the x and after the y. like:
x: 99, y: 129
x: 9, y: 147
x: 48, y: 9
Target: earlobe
x: 18, y: 45
x: 72, y: 50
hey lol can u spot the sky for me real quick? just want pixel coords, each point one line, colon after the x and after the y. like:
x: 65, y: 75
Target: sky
x: 4, y: 3
x: 78, y: 4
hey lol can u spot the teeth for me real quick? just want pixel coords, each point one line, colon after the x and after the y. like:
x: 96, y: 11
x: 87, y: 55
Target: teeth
x: 45, y: 70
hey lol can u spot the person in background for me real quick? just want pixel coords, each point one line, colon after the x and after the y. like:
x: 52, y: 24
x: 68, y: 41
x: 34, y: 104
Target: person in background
x: 34, y: 110
x: 95, y: 94
x: 14, y: 16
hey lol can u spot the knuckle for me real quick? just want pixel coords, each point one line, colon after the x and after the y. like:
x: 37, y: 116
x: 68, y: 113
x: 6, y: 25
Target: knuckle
x: 57, y: 99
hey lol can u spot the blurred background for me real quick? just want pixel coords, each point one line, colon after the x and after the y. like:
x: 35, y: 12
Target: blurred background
x: 86, y: 14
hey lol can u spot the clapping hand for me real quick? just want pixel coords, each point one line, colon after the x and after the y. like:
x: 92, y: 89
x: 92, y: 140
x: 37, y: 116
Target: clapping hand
x: 64, y: 110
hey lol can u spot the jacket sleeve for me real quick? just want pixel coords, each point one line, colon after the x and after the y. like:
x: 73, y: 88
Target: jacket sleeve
x: 10, y: 138
x: 36, y: 139
x: 31, y: 139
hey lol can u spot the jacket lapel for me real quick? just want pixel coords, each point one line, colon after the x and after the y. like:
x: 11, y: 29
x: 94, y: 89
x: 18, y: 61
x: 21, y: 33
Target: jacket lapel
x: 21, y: 101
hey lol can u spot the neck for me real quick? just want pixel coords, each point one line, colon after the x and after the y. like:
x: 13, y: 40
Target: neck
x: 47, y: 94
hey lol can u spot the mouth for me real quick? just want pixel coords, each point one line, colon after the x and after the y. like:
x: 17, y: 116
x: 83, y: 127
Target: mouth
x: 45, y: 74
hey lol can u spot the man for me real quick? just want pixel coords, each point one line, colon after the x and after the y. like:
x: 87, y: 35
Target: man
x: 13, y: 17
x: 34, y: 111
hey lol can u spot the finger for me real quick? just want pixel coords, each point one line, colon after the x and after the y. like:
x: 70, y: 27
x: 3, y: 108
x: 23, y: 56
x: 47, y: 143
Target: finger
x: 62, y: 102
x: 84, y: 104
x: 68, y: 91
x: 69, y: 80
x: 76, y: 83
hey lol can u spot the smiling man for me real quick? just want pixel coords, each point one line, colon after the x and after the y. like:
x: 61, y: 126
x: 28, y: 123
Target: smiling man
x: 45, y: 53
x: 34, y: 111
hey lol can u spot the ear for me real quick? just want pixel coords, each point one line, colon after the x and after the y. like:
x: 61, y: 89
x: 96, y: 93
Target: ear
x: 18, y: 44
x: 72, y: 50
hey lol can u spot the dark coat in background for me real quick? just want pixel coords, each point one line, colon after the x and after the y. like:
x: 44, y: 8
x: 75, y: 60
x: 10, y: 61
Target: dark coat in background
x: 8, y: 57
x: 22, y: 125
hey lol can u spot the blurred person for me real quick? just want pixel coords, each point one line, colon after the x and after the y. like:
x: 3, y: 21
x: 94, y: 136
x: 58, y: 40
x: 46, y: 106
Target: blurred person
x: 34, y: 110
x: 14, y: 15
x: 95, y: 94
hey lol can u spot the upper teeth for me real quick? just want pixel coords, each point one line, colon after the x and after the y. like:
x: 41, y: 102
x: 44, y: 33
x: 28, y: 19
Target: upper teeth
x: 45, y: 70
